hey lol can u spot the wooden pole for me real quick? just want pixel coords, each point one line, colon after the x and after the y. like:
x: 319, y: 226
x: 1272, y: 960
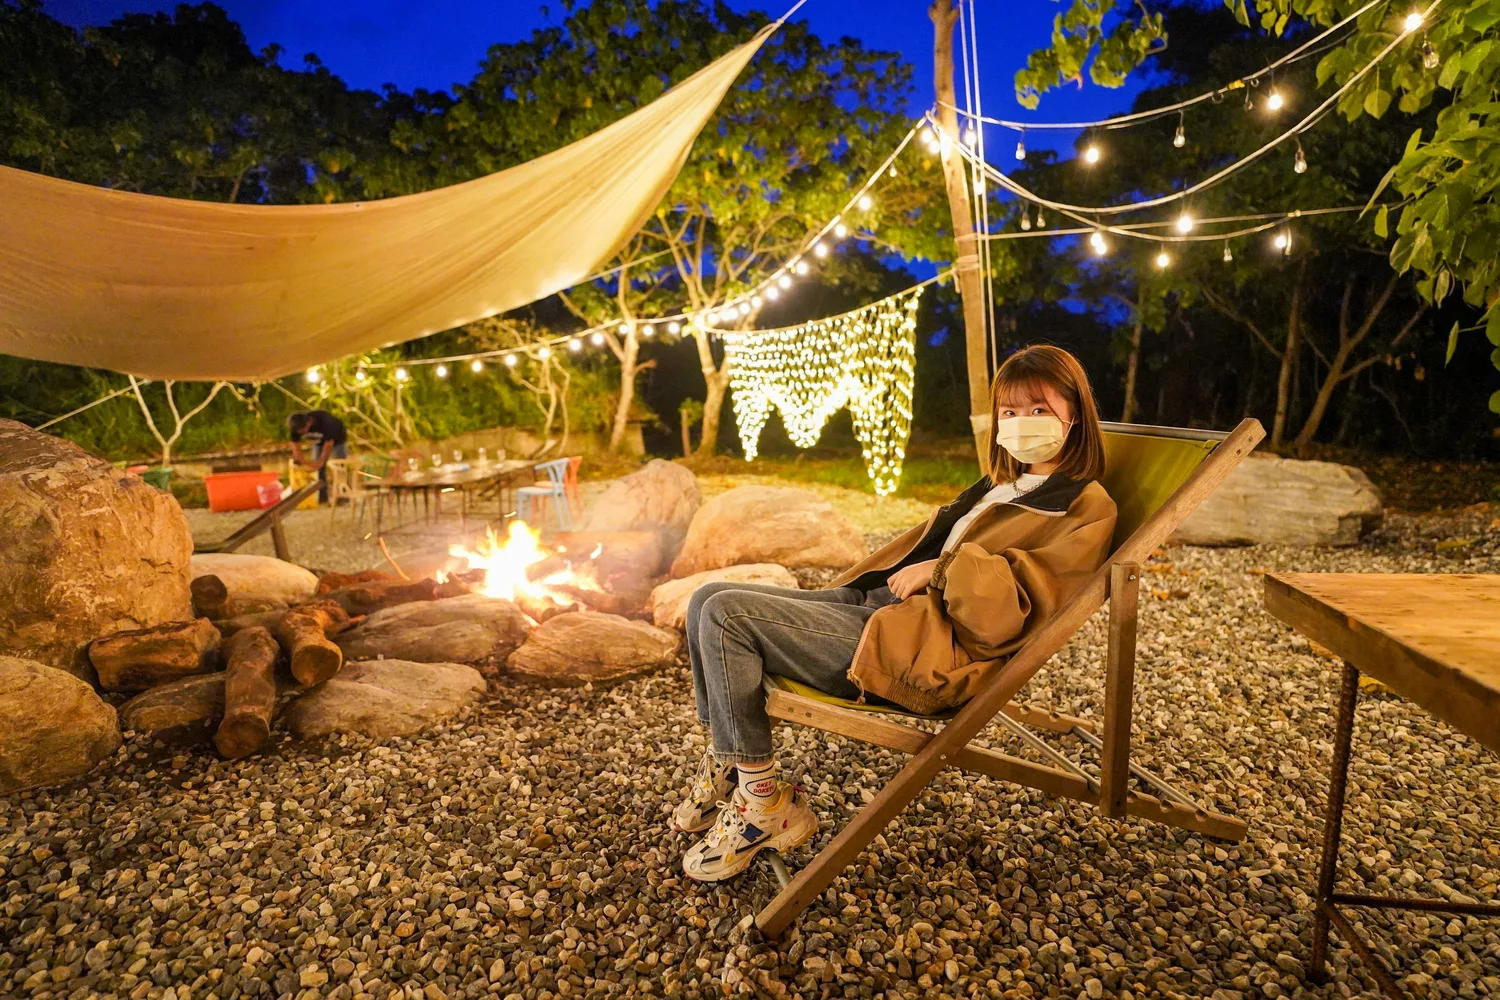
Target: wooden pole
x: 966, y: 263
x: 1119, y: 688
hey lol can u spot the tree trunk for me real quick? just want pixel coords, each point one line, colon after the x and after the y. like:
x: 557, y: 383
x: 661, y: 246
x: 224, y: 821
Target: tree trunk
x: 1132, y: 365
x: 966, y: 261
x: 1325, y: 394
x: 687, y: 435
x: 249, y: 692
x: 716, y: 383
x: 1288, y: 361
x: 629, y: 353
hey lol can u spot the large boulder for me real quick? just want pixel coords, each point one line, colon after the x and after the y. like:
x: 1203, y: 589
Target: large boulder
x: 384, y: 698
x: 1282, y: 501
x: 455, y: 630
x: 85, y: 550
x: 769, y: 524
x: 583, y: 647
x: 52, y: 725
x: 660, y: 496
x: 192, y: 701
x: 256, y: 583
x: 670, y: 600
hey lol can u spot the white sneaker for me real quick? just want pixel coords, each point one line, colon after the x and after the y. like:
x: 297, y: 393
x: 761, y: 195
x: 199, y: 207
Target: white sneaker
x: 713, y: 784
x: 747, y: 826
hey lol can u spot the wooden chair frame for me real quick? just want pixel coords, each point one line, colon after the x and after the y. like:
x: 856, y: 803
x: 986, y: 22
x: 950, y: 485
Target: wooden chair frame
x: 267, y: 520
x: 1117, y: 582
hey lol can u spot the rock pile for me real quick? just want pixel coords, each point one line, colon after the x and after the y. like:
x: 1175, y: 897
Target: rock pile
x: 768, y: 524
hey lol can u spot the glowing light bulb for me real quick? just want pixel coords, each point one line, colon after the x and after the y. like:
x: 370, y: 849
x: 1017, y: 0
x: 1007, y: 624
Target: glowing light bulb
x: 891, y: 172
x: 970, y: 137
x: 865, y: 203
x: 596, y: 339
x: 441, y: 371
x: 1163, y: 259
x: 359, y: 376
x: 1184, y: 223
x: 648, y: 330
x: 840, y: 230
x: 1041, y: 220
x: 1228, y: 256
x: 1096, y: 240
x: 800, y: 267
x: 313, y: 375
x: 575, y: 345
x: 674, y: 328
x: 785, y: 281
x: 820, y: 250
x: 1283, y: 242
x: 1413, y: 21
x: 1025, y: 219
x: 1179, y: 138
x: 1091, y: 154
x: 744, y: 309
x: 510, y: 360
x: 755, y: 300
x: 477, y: 365
x: 1299, y: 162
x: 1020, y: 149
x: 713, y: 318
x: 1275, y: 101
x: 927, y: 135
x: 401, y: 375
x: 773, y: 293
x: 1429, y: 56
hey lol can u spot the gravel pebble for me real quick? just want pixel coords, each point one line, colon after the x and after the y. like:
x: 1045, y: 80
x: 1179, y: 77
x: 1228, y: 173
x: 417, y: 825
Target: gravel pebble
x: 522, y: 852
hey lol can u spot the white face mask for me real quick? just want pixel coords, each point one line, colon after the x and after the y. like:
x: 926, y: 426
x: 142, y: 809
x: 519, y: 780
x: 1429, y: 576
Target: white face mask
x: 1032, y: 439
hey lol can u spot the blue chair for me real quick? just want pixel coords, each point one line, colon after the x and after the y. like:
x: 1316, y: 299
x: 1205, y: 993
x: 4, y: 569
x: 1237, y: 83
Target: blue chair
x: 561, y: 486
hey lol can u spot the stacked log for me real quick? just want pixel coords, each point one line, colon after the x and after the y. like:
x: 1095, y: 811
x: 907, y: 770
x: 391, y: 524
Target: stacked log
x: 250, y: 657
x: 304, y: 633
x: 210, y: 597
x: 140, y: 658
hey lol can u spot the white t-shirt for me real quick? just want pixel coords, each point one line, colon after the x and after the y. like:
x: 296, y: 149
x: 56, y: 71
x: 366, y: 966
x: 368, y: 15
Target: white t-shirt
x: 1003, y: 493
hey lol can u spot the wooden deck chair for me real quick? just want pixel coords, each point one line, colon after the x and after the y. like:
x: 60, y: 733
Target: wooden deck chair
x: 1157, y: 476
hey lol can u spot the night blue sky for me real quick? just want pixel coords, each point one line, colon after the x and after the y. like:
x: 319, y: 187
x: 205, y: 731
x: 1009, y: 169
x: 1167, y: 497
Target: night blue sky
x: 436, y: 43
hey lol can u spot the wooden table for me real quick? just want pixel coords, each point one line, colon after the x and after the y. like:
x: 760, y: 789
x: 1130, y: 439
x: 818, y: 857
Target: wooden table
x: 1433, y: 639
x: 445, y: 478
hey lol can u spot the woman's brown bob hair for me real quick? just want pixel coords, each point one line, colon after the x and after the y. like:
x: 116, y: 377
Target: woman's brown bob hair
x: 1039, y: 365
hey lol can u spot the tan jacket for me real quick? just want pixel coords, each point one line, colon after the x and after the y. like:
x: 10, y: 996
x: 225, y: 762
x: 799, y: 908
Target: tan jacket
x: 1015, y: 565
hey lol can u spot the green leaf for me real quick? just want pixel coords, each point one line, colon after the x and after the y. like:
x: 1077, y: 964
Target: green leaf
x: 1240, y: 13
x: 1484, y: 16
x: 1492, y: 327
x: 1382, y: 186
x: 1452, y: 343
x: 1495, y: 402
x: 1495, y: 357
x: 1382, y: 218
x: 1377, y: 101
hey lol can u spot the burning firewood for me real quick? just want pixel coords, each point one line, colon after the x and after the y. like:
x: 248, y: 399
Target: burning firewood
x: 249, y: 692
x: 330, y: 581
x: 371, y: 596
x: 303, y: 632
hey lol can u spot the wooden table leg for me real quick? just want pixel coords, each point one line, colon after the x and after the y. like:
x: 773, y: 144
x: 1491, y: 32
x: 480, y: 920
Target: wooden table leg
x: 1333, y: 823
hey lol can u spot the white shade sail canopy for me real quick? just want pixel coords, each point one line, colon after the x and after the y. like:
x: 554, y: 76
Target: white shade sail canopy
x: 171, y: 288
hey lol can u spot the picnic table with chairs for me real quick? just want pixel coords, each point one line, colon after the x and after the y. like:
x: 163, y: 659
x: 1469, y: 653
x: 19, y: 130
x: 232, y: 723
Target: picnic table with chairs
x: 534, y: 491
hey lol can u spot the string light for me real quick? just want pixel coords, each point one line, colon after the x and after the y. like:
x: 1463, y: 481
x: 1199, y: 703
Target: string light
x: 597, y: 338
x: 970, y: 136
x: 1091, y: 154
x: 756, y: 300
x: 476, y: 365
x: 1299, y: 162
x: 1025, y: 218
x: 510, y: 360
x: 865, y: 203
x: 1249, y: 101
x: 1021, y: 147
x: 1163, y: 259
x: 773, y: 293
x: 648, y: 331
x: 402, y: 375
x: 785, y: 281
x: 1413, y: 21
x: 1228, y: 255
x: 1283, y: 242
x: 360, y: 375
x: 441, y: 371
x: 1184, y: 223
x: 674, y: 328
x: 1096, y: 240
x: 800, y: 267
x: 820, y: 250
x: 1179, y: 138
x: 744, y: 309
x: 840, y: 230
x: 1275, y: 101
x: 314, y: 376
x: 1041, y: 220
x: 575, y: 345
x: 1429, y: 55
x: 544, y: 352
x: 861, y: 360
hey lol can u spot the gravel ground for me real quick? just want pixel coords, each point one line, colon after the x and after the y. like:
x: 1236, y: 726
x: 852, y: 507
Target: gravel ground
x: 524, y: 853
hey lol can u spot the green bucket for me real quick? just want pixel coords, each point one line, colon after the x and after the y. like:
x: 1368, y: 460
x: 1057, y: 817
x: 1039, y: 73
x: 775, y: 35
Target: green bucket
x: 160, y: 477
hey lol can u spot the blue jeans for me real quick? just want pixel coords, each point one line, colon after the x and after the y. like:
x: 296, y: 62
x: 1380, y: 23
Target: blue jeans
x: 739, y: 632
x: 339, y: 451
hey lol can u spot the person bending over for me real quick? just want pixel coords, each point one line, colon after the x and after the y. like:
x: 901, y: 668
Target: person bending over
x: 326, y: 438
x: 925, y: 622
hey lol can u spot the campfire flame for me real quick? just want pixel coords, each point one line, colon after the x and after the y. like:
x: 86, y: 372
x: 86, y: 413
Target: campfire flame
x: 513, y: 570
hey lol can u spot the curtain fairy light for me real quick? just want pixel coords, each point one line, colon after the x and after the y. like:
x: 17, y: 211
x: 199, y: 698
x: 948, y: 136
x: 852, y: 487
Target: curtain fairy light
x: 862, y: 360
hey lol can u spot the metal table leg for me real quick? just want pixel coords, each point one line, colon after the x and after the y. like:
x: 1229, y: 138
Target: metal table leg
x: 1333, y: 823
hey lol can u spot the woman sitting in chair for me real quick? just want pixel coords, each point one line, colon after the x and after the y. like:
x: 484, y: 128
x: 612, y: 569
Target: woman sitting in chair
x: 923, y: 623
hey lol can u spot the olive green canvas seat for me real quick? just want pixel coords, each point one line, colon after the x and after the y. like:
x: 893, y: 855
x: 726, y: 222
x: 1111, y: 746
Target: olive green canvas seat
x: 1157, y: 476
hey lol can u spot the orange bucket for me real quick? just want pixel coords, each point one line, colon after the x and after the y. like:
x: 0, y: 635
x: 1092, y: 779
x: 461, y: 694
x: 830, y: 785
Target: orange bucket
x: 240, y: 490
